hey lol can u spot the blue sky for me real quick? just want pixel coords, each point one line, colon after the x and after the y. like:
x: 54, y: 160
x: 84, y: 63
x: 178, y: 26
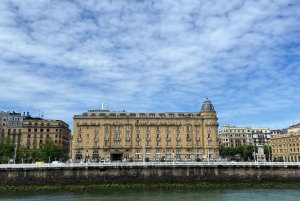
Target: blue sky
x: 65, y: 57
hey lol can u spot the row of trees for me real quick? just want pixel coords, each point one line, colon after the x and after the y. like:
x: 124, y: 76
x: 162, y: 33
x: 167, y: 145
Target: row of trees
x: 49, y: 152
x: 243, y: 152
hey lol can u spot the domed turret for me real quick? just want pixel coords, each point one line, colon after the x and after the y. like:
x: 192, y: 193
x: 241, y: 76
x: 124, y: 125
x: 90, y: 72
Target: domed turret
x: 207, y: 106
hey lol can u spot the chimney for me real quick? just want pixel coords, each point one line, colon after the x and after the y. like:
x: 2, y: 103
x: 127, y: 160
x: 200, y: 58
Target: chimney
x: 27, y: 114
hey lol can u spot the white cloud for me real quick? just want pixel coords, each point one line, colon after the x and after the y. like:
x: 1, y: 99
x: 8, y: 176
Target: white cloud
x: 66, y: 57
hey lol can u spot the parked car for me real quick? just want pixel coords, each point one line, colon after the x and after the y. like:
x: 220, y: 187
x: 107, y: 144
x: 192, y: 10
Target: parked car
x: 56, y: 162
x: 104, y: 162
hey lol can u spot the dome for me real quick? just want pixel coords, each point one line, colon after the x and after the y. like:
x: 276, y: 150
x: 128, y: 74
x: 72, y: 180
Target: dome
x: 207, y: 106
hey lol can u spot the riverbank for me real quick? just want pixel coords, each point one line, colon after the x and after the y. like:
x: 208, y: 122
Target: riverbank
x: 200, y: 185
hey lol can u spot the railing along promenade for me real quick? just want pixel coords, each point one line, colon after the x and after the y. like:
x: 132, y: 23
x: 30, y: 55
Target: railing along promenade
x: 158, y: 164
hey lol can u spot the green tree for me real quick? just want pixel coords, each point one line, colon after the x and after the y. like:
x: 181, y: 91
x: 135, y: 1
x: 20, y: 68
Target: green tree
x: 222, y: 151
x: 35, y: 154
x: 248, y: 153
x: 6, y: 149
x: 51, y: 149
x: 22, y: 154
x: 268, y: 152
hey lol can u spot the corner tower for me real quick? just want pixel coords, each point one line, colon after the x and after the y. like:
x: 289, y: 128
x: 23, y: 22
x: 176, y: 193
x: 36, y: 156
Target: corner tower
x: 209, y: 130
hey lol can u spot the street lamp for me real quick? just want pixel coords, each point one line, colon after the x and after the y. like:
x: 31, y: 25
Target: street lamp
x: 15, y: 153
x: 144, y: 152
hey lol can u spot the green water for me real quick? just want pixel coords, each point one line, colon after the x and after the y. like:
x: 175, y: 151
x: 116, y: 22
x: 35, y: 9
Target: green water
x: 190, y: 194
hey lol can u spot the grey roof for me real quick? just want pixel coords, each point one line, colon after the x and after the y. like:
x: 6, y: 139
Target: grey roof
x: 207, y: 106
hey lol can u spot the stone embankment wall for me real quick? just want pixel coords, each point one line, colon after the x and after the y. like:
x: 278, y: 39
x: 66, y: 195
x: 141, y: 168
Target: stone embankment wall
x: 149, y: 174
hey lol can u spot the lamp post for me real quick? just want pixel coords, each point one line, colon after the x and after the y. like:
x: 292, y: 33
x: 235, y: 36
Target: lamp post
x: 15, y: 153
x: 144, y: 152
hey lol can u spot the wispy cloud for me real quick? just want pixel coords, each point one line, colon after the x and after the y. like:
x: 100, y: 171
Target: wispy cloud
x: 65, y: 57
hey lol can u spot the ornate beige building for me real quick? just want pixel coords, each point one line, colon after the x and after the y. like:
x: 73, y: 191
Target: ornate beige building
x: 124, y: 135
x: 36, y: 130
x: 286, y: 146
x: 30, y: 132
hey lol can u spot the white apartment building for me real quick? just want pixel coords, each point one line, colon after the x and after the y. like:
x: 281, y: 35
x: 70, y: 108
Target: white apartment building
x: 235, y: 136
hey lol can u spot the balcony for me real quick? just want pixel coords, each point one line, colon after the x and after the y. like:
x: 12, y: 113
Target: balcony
x: 79, y: 139
x: 158, y: 139
x: 178, y: 146
x: 158, y: 146
x: 138, y: 146
x: 188, y: 138
x: 178, y: 138
x: 105, y: 146
x: 96, y: 147
x: 117, y: 138
x: 198, y: 146
x: 128, y: 138
x: 148, y: 138
x: 79, y: 147
x: 209, y: 139
x: 117, y: 146
x: 197, y: 138
x: 168, y: 146
x: 106, y: 139
x: 127, y: 146
x: 138, y: 139
x: 188, y: 146
x: 96, y: 140
x: 148, y: 146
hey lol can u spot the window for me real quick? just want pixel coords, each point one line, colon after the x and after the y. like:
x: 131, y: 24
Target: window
x: 147, y: 128
x: 158, y: 154
x: 168, y: 128
x: 29, y: 129
x: 148, y: 154
x: 79, y: 144
x: 137, y: 136
x: 137, y: 143
x: 187, y: 128
x: 178, y: 143
x: 137, y: 128
x: 177, y: 128
x: 96, y: 128
x: 96, y: 136
x: 157, y: 143
x: 48, y: 130
x: 137, y: 154
x: 106, y: 137
x: 168, y: 154
x: 87, y: 135
x: 178, y: 136
x: 157, y: 128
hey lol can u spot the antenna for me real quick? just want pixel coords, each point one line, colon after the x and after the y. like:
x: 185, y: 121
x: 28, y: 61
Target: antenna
x: 39, y: 113
x: 42, y: 114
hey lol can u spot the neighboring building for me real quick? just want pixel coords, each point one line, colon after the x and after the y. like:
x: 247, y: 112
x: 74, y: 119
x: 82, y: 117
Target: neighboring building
x: 31, y: 132
x: 286, y: 146
x: 124, y: 135
x: 36, y: 130
x: 3, y: 123
x: 233, y: 136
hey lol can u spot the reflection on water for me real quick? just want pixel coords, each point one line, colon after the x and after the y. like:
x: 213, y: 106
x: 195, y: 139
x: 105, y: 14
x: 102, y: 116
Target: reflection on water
x: 173, y: 194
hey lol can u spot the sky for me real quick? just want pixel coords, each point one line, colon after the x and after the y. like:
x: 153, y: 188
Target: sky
x: 64, y: 57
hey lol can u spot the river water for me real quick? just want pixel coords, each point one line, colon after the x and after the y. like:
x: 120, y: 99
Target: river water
x: 185, y: 194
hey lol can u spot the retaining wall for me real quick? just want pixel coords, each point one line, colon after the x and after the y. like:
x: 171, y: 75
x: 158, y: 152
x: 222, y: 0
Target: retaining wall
x: 147, y: 174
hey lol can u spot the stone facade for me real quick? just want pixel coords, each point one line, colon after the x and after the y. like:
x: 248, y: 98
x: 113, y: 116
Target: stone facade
x: 145, y: 175
x: 139, y: 135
